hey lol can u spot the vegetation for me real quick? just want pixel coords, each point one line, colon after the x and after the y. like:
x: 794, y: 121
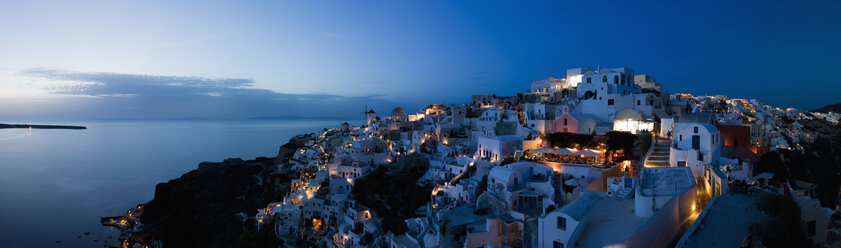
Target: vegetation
x: 782, y: 228
x: 394, y: 197
x: 259, y: 238
x: 771, y: 162
x: 617, y: 140
x: 563, y: 140
x: 645, y: 142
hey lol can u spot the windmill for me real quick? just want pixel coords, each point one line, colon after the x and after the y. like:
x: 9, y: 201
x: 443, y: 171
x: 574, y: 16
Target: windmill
x: 367, y: 115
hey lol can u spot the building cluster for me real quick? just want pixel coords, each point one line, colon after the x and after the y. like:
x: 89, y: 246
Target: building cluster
x: 498, y: 182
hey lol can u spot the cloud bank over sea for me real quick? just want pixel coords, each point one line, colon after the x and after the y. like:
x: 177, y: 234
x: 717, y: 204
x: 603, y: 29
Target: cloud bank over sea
x: 105, y: 95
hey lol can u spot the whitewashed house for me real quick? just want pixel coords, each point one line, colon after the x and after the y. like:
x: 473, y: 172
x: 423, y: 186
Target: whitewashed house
x: 524, y: 187
x: 695, y: 145
x: 497, y: 148
x: 600, y: 90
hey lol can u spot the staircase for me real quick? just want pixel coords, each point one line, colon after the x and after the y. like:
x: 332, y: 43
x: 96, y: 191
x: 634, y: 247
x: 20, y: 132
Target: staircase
x: 624, y: 193
x: 659, y: 156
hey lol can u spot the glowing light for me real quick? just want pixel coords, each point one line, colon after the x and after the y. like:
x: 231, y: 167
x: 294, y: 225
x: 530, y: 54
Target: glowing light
x: 316, y: 224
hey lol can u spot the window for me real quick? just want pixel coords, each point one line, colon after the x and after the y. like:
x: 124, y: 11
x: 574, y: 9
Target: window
x: 565, y: 121
x: 609, y: 101
x: 623, y: 79
x: 638, y: 102
x: 696, y: 129
x: 700, y: 156
x: 562, y: 223
x: 604, y: 79
x: 680, y: 137
x: 556, y: 244
x: 615, y: 79
x: 588, y: 80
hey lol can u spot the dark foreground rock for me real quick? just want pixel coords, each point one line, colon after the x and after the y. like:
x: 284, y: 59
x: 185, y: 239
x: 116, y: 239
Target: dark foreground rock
x: 213, y: 205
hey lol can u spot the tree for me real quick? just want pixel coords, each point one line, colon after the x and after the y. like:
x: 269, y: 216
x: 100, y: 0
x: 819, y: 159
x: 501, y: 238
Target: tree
x: 782, y: 228
x: 772, y: 162
x: 620, y: 141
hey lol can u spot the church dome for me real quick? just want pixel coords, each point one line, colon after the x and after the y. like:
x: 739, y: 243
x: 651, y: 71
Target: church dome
x: 628, y: 114
x: 398, y: 112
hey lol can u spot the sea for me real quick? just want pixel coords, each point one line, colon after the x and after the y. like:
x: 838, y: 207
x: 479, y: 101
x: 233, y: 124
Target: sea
x: 56, y: 184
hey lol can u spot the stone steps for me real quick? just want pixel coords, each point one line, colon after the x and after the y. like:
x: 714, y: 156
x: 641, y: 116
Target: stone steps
x: 659, y: 156
x: 624, y: 193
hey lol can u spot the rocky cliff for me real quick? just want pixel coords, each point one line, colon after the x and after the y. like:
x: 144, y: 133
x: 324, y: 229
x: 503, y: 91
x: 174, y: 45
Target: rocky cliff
x: 212, y: 205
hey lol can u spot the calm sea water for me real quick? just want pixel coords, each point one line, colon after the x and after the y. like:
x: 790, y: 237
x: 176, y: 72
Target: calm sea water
x: 55, y: 184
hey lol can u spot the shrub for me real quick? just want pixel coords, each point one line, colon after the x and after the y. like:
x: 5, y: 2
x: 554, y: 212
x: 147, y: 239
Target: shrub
x: 771, y: 162
x: 782, y: 228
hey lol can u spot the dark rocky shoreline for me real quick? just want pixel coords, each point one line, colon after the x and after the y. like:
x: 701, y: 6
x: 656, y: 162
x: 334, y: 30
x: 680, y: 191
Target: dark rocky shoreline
x: 40, y: 126
x: 215, y: 204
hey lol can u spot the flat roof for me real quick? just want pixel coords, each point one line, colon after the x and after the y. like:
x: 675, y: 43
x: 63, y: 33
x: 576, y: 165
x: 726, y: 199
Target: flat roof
x: 666, y: 180
x: 723, y: 223
x: 462, y: 215
x: 609, y: 221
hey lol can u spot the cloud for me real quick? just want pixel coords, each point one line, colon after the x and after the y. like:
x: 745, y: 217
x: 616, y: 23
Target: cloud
x: 106, y: 95
x: 117, y: 84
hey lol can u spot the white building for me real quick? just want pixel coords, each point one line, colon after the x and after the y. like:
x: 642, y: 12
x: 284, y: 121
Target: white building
x: 717, y: 178
x: 600, y: 90
x: 548, y: 85
x: 525, y: 187
x: 498, y: 148
x: 695, y: 145
x: 597, y: 220
x: 487, y: 122
x: 647, y: 82
x: 630, y: 120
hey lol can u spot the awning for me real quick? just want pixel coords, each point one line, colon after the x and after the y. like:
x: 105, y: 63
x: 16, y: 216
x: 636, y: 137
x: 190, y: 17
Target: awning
x: 589, y: 152
x: 565, y: 151
x: 541, y: 150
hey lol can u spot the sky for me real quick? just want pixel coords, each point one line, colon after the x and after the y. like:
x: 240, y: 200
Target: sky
x: 78, y: 60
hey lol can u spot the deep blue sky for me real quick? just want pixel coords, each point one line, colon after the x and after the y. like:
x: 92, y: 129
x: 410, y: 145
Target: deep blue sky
x: 124, y: 59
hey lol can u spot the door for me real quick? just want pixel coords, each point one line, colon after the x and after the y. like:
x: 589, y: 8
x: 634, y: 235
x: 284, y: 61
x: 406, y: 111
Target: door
x: 696, y: 142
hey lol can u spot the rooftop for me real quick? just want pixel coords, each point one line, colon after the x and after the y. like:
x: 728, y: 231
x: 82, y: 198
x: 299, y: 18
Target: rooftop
x: 723, y: 223
x: 666, y: 180
x: 462, y: 215
x: 608, y: 220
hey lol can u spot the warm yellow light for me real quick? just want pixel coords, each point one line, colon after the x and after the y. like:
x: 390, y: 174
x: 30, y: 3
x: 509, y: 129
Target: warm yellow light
x: 316, y: 224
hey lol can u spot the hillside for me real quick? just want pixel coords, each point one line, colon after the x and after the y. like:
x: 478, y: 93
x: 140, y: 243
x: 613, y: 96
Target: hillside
x: 835, y: 108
